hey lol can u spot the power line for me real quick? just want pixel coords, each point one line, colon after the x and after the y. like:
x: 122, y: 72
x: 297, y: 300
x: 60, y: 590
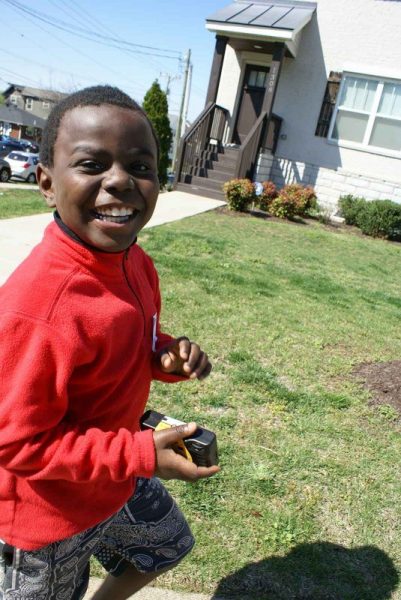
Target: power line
x: 119, y: 38
x: 33, y: 15
x: 91, y: 35
x: 82, y: 12
x: 22, y: 77
x: 80, y: 53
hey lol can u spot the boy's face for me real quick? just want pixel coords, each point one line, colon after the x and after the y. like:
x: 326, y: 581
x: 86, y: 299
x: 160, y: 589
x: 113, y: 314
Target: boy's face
x: 104, y: 180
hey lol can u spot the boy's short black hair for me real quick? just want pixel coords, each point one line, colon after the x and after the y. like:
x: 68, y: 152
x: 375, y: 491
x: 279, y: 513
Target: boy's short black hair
x: 90, y: 96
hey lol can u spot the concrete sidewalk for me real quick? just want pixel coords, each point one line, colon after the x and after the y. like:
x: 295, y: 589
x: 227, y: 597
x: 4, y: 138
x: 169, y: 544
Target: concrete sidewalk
x: 19, y: 235
x: 151, y: 593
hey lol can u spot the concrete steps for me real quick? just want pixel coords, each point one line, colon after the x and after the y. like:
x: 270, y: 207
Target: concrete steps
x: 214, y: 169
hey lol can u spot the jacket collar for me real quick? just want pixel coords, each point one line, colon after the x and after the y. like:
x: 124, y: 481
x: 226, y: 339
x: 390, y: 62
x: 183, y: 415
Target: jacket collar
x: 61, y: 240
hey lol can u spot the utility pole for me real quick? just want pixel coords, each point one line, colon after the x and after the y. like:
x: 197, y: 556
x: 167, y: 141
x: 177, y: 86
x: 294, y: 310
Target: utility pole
x: 170, y: 78
x: 184, y: 106
x: 186, y: 102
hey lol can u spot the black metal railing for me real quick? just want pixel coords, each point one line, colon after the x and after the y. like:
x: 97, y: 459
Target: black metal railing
x: 272, y: 133
x: 206, y: 132
x: 250, y: 147
x: 264, y: 134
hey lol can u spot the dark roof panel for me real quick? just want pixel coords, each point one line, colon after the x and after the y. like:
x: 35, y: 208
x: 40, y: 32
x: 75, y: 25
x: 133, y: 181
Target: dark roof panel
x: 252, y: 12
x: 291, y: 19
x: 226, y: 13
x: 13, y: 114
x: 274, y: 14
x: 278, y: 14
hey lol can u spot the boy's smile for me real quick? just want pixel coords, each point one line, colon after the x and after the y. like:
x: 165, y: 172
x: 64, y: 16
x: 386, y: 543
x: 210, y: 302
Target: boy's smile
x: 104, y: 180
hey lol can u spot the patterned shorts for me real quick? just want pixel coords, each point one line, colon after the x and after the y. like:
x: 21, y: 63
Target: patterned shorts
x: 149, y: 532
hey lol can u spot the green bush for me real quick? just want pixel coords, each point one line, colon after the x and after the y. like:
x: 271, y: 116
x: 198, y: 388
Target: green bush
x: 350, y: 207
x: 239, y: 193
x: 267, y: 196
x: 156, y: 107
x: 293, y: 200
x: 380, y: 218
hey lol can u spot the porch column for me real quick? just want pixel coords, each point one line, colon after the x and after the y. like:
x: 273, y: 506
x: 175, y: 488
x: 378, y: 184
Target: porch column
x: 219, y: 51
x: 274, y: 75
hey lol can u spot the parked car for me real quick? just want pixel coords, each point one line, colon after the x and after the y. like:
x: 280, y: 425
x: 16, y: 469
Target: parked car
x: 23, y: 165
x: 7, y: 138
x: 5, y: 171
x: 7, y: 147
x: 29, y: 146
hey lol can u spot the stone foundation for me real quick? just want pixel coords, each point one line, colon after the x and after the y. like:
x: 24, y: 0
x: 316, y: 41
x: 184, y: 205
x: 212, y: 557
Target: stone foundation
x: 328, y: 183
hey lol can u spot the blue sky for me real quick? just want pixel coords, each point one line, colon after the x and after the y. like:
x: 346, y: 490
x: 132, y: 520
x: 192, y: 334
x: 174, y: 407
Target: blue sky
x: 34, y: 53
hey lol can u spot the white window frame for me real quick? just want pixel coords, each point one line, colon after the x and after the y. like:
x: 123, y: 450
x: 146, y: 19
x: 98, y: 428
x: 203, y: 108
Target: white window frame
x: 45, y: 104
x: 373, y: 113
x: 28, y: 103
x: 14, y: 99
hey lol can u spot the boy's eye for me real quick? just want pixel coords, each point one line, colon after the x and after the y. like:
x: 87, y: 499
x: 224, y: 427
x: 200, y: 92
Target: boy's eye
x: 140, y: 167
x: 91, y: 165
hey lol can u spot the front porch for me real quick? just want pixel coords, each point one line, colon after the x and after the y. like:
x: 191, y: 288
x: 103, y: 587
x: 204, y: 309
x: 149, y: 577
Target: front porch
x: 238, y: 126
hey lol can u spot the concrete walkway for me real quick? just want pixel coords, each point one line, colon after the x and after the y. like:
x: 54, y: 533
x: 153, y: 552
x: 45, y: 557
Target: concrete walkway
x: 19, y: 235
x: 152, y: 593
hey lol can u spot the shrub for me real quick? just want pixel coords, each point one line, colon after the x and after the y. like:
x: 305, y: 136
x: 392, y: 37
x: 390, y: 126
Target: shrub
x: 380, y: 218
x: 239, y: 193
x: 350, y: 207
x: 267, y: 196
x: 156, y: 107
x: 294, y: 199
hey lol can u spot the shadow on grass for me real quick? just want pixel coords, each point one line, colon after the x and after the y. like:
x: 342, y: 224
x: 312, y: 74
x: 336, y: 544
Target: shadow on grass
x: 317, y: 571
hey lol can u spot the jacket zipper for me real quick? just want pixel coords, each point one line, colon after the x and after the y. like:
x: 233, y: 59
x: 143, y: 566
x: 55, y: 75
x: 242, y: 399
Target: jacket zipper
x: 133, y: 291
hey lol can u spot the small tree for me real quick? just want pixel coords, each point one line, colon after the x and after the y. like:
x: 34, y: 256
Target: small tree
x: 2, y: 99
x: 156, y: 107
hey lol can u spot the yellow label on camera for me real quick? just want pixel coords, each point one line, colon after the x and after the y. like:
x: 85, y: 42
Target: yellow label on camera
x: 179, y: 446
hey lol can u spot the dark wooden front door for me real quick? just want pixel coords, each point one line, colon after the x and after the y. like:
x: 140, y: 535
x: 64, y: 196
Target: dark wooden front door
x: 251, y: 102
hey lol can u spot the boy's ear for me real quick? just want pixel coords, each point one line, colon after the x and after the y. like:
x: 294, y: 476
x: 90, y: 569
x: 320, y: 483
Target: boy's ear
x: 45, y: 183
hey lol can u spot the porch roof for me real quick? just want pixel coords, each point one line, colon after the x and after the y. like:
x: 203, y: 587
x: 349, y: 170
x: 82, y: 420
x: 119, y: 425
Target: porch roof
x: 277, y: 20
x: 13, y: 114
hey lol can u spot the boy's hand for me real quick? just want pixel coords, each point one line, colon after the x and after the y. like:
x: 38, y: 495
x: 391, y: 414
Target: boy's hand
x: 171, y: 465
x: 184, y: 357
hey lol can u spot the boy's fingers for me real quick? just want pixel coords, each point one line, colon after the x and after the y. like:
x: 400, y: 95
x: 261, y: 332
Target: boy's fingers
x: 206, y: 471
x: 184, y: 470
x: 172, y: 465
x: 175, y: 354
x: 191, y: 472
x: 166, y: 437
x: 183, y: 347
x: 202, y: 373
x: 202, y: 368
x: 170, y: 360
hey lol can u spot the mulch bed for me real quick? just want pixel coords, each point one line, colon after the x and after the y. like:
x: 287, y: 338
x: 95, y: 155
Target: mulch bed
x: 383, y: 380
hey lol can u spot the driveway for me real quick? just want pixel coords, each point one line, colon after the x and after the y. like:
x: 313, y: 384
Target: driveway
x: 19, y: 235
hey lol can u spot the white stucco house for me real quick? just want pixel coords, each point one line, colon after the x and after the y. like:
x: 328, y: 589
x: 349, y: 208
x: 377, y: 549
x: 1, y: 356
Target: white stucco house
x: 305, y: 92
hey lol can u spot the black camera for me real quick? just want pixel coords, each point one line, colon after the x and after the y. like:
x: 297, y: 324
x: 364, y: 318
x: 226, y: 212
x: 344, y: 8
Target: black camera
x: 200, y: 447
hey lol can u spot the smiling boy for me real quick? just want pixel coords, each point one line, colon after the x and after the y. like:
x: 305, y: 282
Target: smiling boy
x: 80, y: 345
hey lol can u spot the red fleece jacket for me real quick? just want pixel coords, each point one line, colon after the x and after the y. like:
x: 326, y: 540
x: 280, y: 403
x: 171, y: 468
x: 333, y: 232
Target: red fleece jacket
x: 76, y: 364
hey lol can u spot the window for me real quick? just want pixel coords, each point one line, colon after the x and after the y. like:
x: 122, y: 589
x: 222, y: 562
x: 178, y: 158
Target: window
x: 13, y: 99
x: 28, y: 103
x: 257, y: 78
x: 45, y: 104
x: 368, y: 113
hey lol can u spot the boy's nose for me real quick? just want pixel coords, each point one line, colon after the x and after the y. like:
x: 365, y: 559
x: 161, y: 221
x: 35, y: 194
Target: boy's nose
x: 118, y: 178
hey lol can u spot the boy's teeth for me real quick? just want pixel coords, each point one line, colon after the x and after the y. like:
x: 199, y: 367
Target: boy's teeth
x: 116, y: 212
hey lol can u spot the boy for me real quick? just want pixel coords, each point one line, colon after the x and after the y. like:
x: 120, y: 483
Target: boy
x: 80, y: 344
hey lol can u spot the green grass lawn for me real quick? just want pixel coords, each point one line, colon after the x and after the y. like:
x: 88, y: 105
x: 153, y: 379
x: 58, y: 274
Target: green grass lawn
x: 307, y: 505
x: 20, y: 202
